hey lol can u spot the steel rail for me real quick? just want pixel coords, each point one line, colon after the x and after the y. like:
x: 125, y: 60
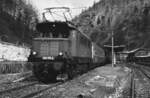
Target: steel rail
x: 16, y: 88
x: 34, y: 94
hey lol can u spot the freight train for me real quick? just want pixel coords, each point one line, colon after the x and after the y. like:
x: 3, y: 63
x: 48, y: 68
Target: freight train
x: 60, y: 50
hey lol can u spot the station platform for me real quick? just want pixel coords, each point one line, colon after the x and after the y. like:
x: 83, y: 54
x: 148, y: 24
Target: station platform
x: 102, y: 82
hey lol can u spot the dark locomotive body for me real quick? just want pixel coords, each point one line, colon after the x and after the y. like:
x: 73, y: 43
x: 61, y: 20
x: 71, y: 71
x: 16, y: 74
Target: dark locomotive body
x: 60, y: 50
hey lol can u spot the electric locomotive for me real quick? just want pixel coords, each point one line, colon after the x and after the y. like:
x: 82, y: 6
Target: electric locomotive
x: 59, y: 50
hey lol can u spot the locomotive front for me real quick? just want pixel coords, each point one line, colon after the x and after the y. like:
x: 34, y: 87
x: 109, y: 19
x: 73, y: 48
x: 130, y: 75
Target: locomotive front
x: 50, y: 49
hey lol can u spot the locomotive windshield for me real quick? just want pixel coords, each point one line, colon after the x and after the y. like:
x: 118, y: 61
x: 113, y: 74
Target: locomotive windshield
x: 54, y: 29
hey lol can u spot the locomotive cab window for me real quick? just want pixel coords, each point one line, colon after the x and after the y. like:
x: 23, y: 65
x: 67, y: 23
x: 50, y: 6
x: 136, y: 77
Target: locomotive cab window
x: 54, y: 29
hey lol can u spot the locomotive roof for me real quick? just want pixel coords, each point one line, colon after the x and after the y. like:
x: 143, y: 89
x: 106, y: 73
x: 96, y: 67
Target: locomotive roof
x: 53, y: 27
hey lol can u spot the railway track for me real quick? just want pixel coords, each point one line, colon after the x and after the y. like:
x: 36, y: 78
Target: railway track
x: 140, y: 76
x: 18, y: 77
x: 142, y: 69
x: 38, y: 93
x: 25, y: 86
x: 17, y: 88
x: 144, y: 63
x: 27, y: 90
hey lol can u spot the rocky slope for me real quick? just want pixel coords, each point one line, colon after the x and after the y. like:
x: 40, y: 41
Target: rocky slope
x: 127, y: 19
x: 17, y: 21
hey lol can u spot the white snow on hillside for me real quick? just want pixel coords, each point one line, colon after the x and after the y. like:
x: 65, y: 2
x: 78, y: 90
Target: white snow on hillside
x: 12, y: 52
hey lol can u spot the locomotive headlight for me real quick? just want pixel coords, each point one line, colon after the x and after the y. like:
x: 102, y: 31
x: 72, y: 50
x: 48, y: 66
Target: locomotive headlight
x: 34, y: 53
x: 60, y: 53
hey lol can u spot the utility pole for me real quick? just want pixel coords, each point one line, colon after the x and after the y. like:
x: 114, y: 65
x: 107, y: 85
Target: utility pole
x: 112, y: 41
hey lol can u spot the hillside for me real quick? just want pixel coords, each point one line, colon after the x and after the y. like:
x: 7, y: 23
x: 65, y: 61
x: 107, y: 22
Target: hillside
x: 128, y: 19
x: 17, y: 21
x: 7, y: 33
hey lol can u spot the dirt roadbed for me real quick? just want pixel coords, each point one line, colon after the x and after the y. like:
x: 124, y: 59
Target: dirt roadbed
x: 102, y: 82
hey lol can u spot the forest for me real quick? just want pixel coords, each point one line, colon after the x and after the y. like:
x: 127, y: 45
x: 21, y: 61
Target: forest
x: 128, y: 20
x: 17, y: 21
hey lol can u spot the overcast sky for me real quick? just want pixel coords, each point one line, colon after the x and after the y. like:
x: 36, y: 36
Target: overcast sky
x: 41, y: 4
